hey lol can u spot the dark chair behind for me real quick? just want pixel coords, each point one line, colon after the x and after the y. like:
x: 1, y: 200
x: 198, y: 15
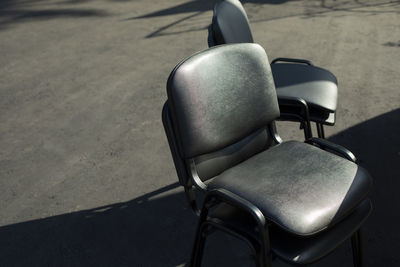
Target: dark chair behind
x: 297, y: 81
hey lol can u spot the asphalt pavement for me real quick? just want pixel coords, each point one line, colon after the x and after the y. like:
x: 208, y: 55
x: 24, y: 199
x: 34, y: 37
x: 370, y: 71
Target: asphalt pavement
x: 86, y: 176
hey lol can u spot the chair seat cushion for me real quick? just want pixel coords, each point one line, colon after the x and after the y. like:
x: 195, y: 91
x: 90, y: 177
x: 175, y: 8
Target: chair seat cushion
x: 317, y: 86
x: 299, y: 187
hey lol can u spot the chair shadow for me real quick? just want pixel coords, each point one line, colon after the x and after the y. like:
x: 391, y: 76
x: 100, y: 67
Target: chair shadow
x: 201, y: 5
x: 152, y: 230
x: 376, y: 144
x: 198, y: 7
x: 392, y: 44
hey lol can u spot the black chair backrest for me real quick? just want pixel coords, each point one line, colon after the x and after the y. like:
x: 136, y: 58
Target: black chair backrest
x: 219, y: 103
x: 230, y: 24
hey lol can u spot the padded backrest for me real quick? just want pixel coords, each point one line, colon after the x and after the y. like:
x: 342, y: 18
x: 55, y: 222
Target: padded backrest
x: 219, y: 96
x: 230, y: 24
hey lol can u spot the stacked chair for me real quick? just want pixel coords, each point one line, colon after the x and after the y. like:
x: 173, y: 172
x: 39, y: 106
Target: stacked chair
x: 305, y: 92
x: 296, y: 201
x: 293, y: 200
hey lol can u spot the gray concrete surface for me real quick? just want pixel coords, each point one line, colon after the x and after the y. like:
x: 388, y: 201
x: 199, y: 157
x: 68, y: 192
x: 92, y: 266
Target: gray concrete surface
x: 86, y: 176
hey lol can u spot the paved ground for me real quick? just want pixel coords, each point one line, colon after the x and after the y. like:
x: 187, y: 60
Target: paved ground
x: 86, y: 177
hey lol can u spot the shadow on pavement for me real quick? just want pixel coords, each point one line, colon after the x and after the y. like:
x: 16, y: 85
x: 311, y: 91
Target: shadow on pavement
x: 376, y: 144
x: 321, y: 8
x: 12, y: 12
x: 197, y: 7
x: 392, y: 44
x: 201, y: 5
x: 152, y: 230
x: 157, y: 229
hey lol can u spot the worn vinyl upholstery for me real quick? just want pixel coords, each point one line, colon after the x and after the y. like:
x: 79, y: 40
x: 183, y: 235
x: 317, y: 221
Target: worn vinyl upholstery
x: 227, y: 32
x: 300, y: 187
x: 317, y: 86
x: 202, y: 104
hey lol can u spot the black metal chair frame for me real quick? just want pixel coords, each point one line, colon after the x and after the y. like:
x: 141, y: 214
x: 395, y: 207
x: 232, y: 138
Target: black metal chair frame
x: 259, y: 246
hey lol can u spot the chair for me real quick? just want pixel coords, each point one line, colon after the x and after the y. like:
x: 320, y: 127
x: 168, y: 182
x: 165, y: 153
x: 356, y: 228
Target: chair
x: 293, y: 200
x: 294, y: 78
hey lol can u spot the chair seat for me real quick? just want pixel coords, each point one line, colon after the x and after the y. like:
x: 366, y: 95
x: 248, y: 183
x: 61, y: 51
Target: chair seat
x: 317, y: 86
x: 299, y: 187
x: 292, y: 248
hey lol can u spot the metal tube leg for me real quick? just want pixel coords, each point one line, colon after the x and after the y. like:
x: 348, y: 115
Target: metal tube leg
x: 198, y: 248
x: 262, y: 261
x: 265, y: 252
x: 358, y: 249
x: 320, y: 130
x: 259, y: 259
x: 306, y: 126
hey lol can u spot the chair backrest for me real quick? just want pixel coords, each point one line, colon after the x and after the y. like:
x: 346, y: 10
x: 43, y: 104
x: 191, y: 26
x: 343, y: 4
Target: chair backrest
x: 220, y: 102
x: 229, y: 24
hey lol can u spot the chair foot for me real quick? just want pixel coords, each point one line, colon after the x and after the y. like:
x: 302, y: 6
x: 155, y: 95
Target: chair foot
x: 358, y: 249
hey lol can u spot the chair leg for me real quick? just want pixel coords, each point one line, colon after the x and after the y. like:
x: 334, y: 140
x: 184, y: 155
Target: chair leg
x: 263, y: 262
x: 259, y: 260
x: 197, y: 254
x: 265, y: 256
x: 306, y: 126
x: 320, y: 130
x: 198, y: 247
x: 358, y: 249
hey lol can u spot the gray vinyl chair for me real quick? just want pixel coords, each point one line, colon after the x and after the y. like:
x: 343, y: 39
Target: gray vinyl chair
x: 293, y: 200
x: 294, y: 78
